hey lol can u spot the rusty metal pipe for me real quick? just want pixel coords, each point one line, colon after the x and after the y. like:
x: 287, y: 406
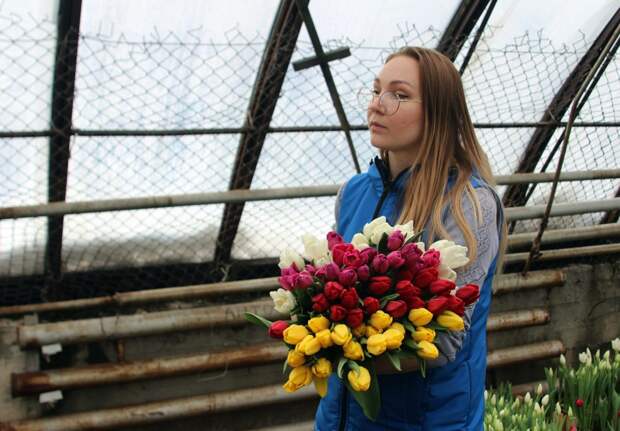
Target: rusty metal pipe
x: 528, y: 352
x: 532, y: 280
x: 110, y: 373
x: 555, y: 236
x: 179, y: 408
x: 159, y: 411
x: 566, y: 253
x: 517, y: 319
x: 115, y: 327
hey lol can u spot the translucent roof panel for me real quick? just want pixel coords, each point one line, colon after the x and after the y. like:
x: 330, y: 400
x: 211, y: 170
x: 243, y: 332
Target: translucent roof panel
x: 22, y: 246
x: 140, y: 237
x: 124, y: 167
x: 27, y: 48
x: 187, y: 64
x: 372, y: 30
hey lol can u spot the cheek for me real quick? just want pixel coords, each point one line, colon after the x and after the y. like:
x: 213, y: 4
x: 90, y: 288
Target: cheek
x: 410, y: 125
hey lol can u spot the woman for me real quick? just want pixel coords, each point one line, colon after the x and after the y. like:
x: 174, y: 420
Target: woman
x: 433, y: 171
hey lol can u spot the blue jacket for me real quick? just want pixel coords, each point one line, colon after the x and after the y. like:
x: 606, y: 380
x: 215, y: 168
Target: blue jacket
x: 451, y: 396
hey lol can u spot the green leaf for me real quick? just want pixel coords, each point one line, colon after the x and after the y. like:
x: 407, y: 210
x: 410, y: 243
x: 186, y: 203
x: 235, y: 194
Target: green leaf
x: 422, y: 367
x: 370, y: 400
x: 411, y: 345
x: 414, y: 238
x: 387, y: 298
x: 340, y: 369
x: 285, y: 367
x: 408, y: 326
x: 257, y: 320
x: 394, y: 359
x: 354, y: 366
x: 383, y: 243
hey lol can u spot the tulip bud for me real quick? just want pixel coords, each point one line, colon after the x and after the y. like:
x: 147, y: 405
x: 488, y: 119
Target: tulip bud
x: 441, y: 287
x: 295, y: 358
x: 423, y: 334
x: 368, y: 254
x: 376, y: 344
x: 294, y: 334
x: 395, y: 260
x: 380, y: 320
x: 347, y: 277
x: 371, y: 304
x: 320, y: 303
x: 395, y: 240
x: 398, y: 326
x: 396, y: 309
x: 308, y: 346
x: 277, y: 328
x: 304, y: 280
x: 363, y: 273
x: 332, y: 271
x: 394, y: 338
x: 349, y: 298
x: 427, y: 350
x: 359, y: 380
x: 353, y: 350
x: 431, y: 258
x: 359, y: 331
x: 324, y: 338
x: 579, y: 403
x: 352, y: 259
x: 468, y: 293
x: 298, y: 378
x: 341, y: 334
x: 319, y: 323
x: 420, y: 316
x: 380, y: 264
x: 332, y: 290
x: 355, y: 317
x: 310, y: 269
x: 451, y: 321
x: 322, y: 368
x: 425, y: 277
x: 332, y: 239
x: 379, y: 284
x: 338, y: 252
x: 414, y: 302
x: 437, y: 304
x: 456, y: 305
x: 404, y: 273
x: 337, y: 313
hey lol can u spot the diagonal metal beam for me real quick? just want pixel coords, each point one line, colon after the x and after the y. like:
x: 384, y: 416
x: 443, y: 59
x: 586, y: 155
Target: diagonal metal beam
x: 460, y: 27
x: 322, y: 59
x: 63, y: 92
x: 516, y: 195
x: 274, y: 64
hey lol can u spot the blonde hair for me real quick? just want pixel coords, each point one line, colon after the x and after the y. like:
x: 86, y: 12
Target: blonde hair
x: 448, y: 137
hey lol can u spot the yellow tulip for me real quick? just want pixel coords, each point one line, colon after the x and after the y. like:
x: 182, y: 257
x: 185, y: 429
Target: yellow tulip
x: 353, y: 350
x: 341, y: 334
x: 360, y: 331
x: 420, y: 316
x: 298, y: 378
x: 320, y: 384
x: 423, y: 334
x: 394, y: 338
x: 294, y: 334
x: 324, y: 338
x: 295, y: 358
x: 317, y: 324
x: 427, y: 350
x: 398, y: 326
x: 451, y: 320
x: 376, y: 344
x: 308, y: 346
x: 322, y: 368
x: 380, y: 320
x: 359, y: 380
x: 371, y: 330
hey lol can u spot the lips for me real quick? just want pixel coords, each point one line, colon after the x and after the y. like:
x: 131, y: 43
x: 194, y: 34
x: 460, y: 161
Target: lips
x: 374, y: 124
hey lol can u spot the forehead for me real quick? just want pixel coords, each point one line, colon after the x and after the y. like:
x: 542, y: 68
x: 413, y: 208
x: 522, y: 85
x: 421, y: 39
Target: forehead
x: 400, y: 68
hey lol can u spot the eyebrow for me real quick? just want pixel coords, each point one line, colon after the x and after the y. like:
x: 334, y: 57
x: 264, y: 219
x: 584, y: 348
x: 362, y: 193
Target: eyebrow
x: 396, y: 81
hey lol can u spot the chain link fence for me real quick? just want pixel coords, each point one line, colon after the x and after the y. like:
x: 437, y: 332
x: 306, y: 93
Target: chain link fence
x: 169, y: 115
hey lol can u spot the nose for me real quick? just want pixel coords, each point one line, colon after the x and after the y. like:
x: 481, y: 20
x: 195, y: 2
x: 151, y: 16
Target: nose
x: 376, y: 105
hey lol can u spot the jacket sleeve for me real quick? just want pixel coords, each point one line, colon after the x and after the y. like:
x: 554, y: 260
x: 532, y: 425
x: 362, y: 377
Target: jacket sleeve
x: 486, y: 234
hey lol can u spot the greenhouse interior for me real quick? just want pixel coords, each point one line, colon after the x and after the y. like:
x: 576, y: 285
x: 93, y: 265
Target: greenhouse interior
x: 164, y: 164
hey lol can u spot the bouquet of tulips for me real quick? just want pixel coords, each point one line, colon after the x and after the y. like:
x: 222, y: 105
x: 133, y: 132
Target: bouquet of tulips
x: 382, y: 294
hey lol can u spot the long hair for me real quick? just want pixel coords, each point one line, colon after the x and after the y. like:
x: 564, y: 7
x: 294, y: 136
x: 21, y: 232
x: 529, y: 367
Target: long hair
x: 448, y: 137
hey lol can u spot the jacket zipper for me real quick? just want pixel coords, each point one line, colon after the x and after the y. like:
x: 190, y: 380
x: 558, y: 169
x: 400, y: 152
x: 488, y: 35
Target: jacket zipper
x: 343, y: 408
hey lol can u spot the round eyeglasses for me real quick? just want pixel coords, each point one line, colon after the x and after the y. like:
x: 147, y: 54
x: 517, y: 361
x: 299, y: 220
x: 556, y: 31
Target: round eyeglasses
x: 389, y: 100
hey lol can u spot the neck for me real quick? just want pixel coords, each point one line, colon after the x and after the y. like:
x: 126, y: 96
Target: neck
x: 399, y: 162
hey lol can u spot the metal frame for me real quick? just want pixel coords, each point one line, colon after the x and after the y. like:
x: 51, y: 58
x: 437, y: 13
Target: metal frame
x: 63, y: 92
x: 612, y: 216
x: 276, y: 59
x: 516, y: 195
x: 460, y: 27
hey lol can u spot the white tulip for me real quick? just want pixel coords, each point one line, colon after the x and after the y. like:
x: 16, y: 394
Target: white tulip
x: 558, y: 408
x: 359, y: 241
x: 615, y: 344
x: 452, y: 255
x: 283, y: 300
x: 314, y: 249
x: 539, y: 389
x: 545, y: 400
x: 446, y: 273
x: 527, y: 398
x: 369, y: 227
x: 290, y: 256
x: 379, y: 230
x: 562, y: 359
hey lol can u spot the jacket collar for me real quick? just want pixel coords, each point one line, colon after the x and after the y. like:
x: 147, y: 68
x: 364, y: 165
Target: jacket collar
x: 379, y: 174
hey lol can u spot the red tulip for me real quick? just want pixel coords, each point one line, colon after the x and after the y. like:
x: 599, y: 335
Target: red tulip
x: 333, y: 290
x: 468, y: 293
x: 349, y: 298
x: 380, y: 264
x: 332, y: 239
x: 437, y: 304
x: 456, y: 305
x: 347, y: 277
x: 395, y: 260
x: 396, y: 309
x: 337, y: 313
x: 363, y: 272
x: 277, y: 328
x: 425, y: 277
x: 320, y: 303
x: 371, y: 304
x: 379, y: 284
x: 441, y: 287
x: 352, y: 259
x: 355, y: 317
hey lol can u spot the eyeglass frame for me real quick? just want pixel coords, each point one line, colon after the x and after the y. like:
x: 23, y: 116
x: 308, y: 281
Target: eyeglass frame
x: 396, y: 97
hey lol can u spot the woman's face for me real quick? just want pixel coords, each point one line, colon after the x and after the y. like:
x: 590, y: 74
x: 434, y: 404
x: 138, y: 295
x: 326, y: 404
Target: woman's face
x: 401, y: 131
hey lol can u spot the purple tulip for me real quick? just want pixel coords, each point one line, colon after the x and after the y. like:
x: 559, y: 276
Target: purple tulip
x: 347, y: 277
x: 380, y: 264
x: 332, y: 271
x: 395, y: 240
x: 363, y: 273
x: 304, y: 280
x: 332, y: 239
x: 395, y: 259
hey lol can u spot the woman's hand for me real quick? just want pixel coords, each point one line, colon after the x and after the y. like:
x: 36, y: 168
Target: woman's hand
x: 384, y: 366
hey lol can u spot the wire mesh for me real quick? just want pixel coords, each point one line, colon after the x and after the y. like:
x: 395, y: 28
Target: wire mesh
x: 201, y: 92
